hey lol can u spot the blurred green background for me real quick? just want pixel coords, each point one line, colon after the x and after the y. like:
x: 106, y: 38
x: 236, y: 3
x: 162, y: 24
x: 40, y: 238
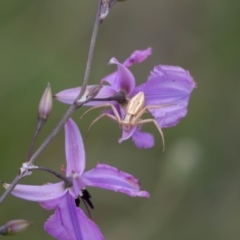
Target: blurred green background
x: 194, y: 184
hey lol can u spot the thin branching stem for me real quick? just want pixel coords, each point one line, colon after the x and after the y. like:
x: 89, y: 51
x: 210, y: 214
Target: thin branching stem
x: 67, y: 180
x: 71, y: 109
x: 37, y: 131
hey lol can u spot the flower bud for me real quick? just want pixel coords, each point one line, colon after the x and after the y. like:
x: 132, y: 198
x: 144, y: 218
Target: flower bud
x: 14, y: 227
x: 105, y: 7
x: 45, y: 105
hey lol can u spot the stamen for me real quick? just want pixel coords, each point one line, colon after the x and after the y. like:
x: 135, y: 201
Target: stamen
x: 86, y: 201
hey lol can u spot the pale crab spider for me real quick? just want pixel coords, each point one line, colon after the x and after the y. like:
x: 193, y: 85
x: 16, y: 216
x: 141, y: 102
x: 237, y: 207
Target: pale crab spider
x: 134, y: 111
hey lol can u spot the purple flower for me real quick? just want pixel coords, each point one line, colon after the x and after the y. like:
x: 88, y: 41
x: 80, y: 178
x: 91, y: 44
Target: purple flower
x: 60, y: 197
x: 70, y: 222
x: 168, y: 86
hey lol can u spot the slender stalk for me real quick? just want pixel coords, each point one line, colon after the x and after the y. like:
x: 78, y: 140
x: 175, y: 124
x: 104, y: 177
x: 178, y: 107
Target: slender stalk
x: 67, y: 181
x: 71, y: 109
x: 39, y: 127
x: 91, y: 49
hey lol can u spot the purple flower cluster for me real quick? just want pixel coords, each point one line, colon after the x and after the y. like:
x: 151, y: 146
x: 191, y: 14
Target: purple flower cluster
x: 166, y: 86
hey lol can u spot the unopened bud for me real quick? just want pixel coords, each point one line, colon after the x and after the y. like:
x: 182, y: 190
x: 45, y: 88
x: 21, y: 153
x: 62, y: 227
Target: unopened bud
x: 105, y: 7
x: 45, y: 105
x: 14, y: 227
x: 5, y: 185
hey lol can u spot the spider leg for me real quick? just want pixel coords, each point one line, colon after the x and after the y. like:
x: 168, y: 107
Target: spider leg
x: 115, y: 117
x: 147, y: 108
x: 99, y: 106
x: 99, y: 117
x: 159, y: 106
x: 156, y: 124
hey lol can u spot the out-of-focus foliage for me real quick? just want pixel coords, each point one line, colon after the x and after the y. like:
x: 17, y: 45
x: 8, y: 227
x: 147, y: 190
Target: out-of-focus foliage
x: 194, y: 184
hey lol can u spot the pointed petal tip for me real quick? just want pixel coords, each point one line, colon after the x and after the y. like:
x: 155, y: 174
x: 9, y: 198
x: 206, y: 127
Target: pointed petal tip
x: 149, y: 49
x: 132, y: 193
x: 144, y: 194
x: 67, y: 96
x: 138, y: 56
x: 5, y: 185
x: 113, y: 61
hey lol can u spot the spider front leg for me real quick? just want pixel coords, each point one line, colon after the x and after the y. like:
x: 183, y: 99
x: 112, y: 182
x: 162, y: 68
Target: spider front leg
x: 116, y: 116
x: 147, y: 108
x: 100, y: 106
x: 99, y: 117
x: 156, y: 124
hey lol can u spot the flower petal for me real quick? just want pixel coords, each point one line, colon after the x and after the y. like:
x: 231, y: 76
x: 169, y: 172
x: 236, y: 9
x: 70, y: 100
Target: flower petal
x: 51, y: 204
x: 105, y: 176
x: 137, y: 56
x: 39, y: 193
x: 53, y: 226
x: 143, y: 139
x: 167, y: 85
x: 69, y: 95
x: 70, y: 222
x: 64, y: 224
x: 127, y: 134
x: 75, y: 152
x: 78, y: 185
x: 122, y: 79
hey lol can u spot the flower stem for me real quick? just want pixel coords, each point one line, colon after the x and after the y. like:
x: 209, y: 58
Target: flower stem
x: 71, y: 109
x: 37, y: 131
x: 67, y: 181
x: 91, y: 50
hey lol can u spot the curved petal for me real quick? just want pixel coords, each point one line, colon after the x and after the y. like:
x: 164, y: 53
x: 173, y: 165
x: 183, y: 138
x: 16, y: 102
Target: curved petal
x: 169, y: 87
x: 51, y: 204
x: 105, y: 176
x: 89, y: 229
x: 122, y: 79
x: 137, y: 56
x: 143, y: 139
x: 75, y: 152
x: 53, y: 226
x: 39, y: 193
x: 69, y: 95
x: 70, y: 222
x: 127, y: 134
